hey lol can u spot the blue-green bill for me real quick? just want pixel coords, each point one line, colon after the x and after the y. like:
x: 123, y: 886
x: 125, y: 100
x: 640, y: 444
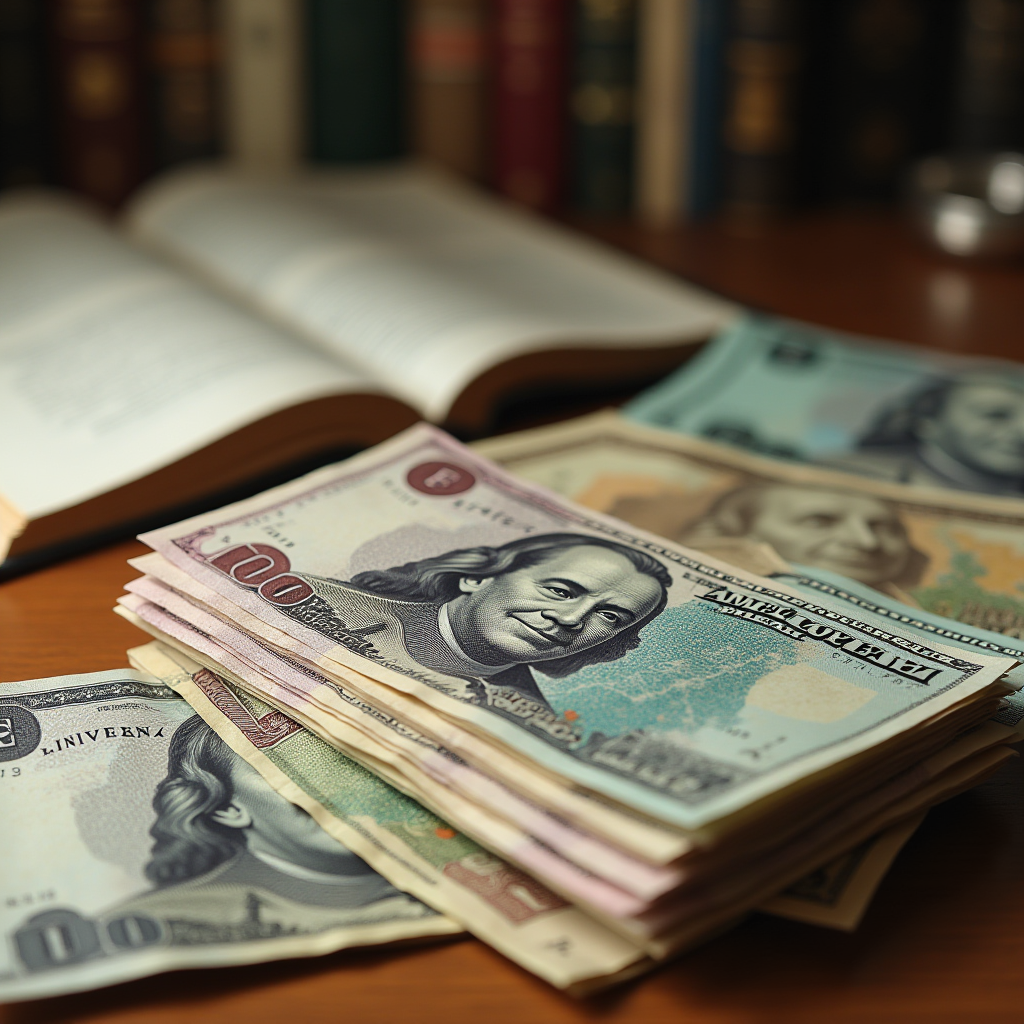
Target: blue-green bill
x: 640, y: 669
x: 888, y: 411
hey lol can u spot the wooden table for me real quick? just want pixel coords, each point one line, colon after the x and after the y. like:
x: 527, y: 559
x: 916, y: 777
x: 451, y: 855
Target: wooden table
x: 944, y: 940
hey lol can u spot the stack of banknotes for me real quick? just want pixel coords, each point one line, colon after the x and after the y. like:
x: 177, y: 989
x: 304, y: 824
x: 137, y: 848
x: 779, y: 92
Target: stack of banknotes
x: 592, y: 693
x: 660, y: 738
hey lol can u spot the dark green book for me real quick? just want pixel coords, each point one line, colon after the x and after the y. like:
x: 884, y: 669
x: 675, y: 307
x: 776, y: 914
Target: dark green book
x: 602, y: 106
x: 24, y: 135
x: 988, y: 102
x: 763, y: 57
x: 876, y: 95
x: 356, y: 61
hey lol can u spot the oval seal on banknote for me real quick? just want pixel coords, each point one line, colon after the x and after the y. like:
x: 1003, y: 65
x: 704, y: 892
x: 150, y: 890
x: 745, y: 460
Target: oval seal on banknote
x: 19, y: 732
x: 440, y: 478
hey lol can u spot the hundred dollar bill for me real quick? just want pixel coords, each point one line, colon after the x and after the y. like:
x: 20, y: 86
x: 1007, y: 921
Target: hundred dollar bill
x: 643, y: 670
x: 893, y: 412
x: 424, y: 854
x: 958, y: 556
x: 135, y: 841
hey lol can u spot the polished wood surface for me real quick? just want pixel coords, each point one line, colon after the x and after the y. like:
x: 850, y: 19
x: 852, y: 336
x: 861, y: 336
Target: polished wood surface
x: 863, y: 272
x: 944, y: 939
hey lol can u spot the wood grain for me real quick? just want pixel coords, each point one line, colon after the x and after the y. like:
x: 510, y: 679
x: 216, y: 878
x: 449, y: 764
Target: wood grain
x: 944, y: 940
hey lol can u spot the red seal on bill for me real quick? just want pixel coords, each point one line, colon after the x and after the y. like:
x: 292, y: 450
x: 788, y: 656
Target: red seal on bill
x: 440, y: 478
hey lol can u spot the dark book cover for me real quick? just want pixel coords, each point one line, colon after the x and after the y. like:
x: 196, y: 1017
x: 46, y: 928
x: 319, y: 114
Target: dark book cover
x: 97, y: 46
x: 356, y: 66
x: 711, y: 24
x: 447, y: 41
x: 988, y: 102
x: 876, y: 95
x: 184, y: 50
x: 24, y: 135
x: 763, y: 60
x: 530, y: 59
x: 602, y: 105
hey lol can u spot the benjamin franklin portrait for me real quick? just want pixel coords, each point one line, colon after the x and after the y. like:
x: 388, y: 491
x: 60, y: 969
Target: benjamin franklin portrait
x: 233, y: 860
x: 552, y: 603
x: 966, y: 433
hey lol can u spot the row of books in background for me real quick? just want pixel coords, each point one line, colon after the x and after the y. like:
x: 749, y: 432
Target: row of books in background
x: 670, y: 108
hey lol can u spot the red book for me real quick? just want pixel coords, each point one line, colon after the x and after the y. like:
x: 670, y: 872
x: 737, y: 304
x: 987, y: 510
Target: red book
x: 529, y: 102
x: 100, y: 97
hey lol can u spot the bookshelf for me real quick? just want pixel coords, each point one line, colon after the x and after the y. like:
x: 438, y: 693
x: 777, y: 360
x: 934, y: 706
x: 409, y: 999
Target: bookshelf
x: 665, y: 110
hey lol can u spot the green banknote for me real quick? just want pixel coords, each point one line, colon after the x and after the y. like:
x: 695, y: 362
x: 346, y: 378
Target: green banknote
x: 135, y: 841
x: 649, y: 673
x: 892, y: 412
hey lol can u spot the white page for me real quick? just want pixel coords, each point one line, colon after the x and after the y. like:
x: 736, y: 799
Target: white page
x: 112, y: 366
x: 424, y: 283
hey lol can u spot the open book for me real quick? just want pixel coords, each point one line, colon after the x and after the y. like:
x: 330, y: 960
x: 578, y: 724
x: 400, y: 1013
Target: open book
x: 236, y: 326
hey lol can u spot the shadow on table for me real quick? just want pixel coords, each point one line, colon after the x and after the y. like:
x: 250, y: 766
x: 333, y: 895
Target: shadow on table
x: 945, y: 922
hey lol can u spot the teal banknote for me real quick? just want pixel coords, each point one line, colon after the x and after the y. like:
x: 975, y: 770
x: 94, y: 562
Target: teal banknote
x: 633, y: 666
x: 892, y: 412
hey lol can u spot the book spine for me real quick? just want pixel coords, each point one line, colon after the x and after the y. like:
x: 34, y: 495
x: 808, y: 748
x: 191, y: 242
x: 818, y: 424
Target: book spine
x: 602, y: 106
x: 702, y: 172
x: 356, y: 79
x: 446, y: 54
x: 528, y: 103
x: 988, y: 105
x: 263, y: 94
x: 97, y: 47
x: 665, y: 65
x: 763, y: 59
x: 871, y: 67
x: 184, y: 47
x: 24, y: 142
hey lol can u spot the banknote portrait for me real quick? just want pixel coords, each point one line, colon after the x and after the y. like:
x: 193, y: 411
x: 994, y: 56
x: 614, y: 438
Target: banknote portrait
x: 236, y: 860
x: 856, y: 535
x: 553, y: 603
x: 965, y: 432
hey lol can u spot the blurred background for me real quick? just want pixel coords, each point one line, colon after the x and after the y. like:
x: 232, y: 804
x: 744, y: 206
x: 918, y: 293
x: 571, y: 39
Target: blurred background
x: 663, y: 111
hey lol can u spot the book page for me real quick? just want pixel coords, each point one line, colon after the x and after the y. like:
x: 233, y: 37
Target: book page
x: 112, y: 366
x: 424, y: 283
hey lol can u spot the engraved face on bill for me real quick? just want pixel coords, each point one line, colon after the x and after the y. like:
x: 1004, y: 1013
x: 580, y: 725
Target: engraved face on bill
x: 136, y: 841
x: 889, y: 412
x: 549, y: 603
x: 636, y: 665
x: 862, y: 536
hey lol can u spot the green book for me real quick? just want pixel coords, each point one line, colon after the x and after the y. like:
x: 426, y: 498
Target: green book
x: 356, y: 60
x: 601, y: 105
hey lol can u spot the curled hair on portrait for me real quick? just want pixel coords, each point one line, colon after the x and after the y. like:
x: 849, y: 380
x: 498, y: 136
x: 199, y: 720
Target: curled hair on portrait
x: 733, y: 515
x: 897, y: 424
x: 187, y: 841
x: 436, y: 580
